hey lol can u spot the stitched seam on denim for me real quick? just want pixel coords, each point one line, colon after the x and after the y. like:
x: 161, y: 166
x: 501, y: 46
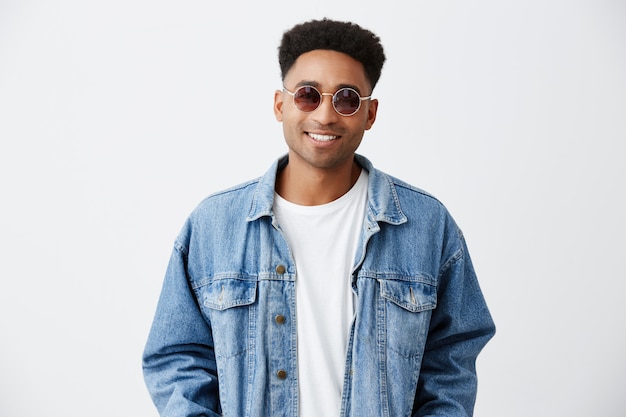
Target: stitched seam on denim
x: 232, y: 355
x: 224, y: 276
x: 181, y: 248
x: 413, y: 309
x: 381, y: 318
x: 235, y: 188
x: 252, y: 328
x: 392, y: 276
x: 459, y: 254
x: 406, y: 186
x: 416, y: 355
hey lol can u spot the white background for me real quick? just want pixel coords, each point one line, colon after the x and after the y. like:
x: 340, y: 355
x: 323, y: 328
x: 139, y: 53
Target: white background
x: 118, y: 117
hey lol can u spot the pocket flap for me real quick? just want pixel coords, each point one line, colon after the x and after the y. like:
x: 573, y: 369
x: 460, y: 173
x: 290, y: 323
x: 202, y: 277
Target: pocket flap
x: 227, y: 293
x: 412, y: 296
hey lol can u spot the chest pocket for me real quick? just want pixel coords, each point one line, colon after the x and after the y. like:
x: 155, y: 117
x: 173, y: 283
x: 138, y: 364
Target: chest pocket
x: 228, y: 304
x: 411, y: 296
x: 408, y: 306
x: 226, y: 293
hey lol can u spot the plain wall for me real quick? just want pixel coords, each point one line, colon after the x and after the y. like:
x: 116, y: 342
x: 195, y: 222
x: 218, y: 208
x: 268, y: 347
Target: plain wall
x: 118, y: 117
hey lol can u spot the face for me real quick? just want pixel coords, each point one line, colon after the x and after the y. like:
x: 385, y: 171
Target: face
x: 323, y: 138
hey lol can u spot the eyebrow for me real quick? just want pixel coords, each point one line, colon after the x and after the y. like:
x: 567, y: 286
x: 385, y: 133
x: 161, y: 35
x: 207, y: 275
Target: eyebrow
x: 337, y: 87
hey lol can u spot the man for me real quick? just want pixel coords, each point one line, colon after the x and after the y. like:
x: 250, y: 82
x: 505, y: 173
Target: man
x: 325, y: 287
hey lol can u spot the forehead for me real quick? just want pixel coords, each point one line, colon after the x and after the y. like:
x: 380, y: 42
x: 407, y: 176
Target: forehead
x: 327, y: 69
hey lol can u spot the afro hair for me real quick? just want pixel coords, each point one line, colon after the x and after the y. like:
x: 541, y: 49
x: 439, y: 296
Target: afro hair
x: 345, y: 37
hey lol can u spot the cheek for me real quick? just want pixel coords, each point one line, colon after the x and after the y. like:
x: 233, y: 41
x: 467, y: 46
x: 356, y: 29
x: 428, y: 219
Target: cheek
x: 361, y: 123
x: 290, y: 127
x: 291, y: 117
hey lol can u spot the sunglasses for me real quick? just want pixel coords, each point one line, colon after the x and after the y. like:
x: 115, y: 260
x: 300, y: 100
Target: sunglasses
x: 346, y: 101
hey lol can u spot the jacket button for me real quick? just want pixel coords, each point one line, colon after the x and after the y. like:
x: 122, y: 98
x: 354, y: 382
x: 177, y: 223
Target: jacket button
x: 282, y: 374
x: 280, y: 269
x: 280, y: 319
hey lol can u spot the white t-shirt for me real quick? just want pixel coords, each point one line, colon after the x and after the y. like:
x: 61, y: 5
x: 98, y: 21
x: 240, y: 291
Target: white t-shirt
x: 323, y: 241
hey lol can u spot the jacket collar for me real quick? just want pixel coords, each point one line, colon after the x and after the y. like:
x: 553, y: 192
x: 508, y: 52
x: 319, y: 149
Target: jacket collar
x: 383, y: 202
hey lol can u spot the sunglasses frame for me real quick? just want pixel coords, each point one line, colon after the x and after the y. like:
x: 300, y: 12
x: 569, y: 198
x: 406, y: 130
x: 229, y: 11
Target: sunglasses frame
x: 293, y: 94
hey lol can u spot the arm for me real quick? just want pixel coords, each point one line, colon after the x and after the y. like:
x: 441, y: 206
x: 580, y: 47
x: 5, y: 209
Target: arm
x: 460, y: 327
x: 178, y: 361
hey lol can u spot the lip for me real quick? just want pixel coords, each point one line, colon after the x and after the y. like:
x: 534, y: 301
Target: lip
x: 323, y: 137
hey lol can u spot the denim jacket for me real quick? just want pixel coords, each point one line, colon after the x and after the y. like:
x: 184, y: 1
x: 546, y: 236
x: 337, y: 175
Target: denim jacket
x: 223, y: 341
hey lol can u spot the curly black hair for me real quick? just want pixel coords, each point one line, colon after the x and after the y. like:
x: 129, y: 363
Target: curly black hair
x: 345, y: 37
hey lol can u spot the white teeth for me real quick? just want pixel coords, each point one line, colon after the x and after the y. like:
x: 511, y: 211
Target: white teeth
x: 322, y: 138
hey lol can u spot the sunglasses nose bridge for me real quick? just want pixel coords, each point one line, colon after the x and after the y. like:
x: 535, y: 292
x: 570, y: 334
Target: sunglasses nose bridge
x: 332, y: 101
x: 332, y: 98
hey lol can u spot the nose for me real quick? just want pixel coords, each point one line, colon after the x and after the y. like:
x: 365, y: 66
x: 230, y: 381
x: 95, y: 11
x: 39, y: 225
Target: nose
x: 325, y: 112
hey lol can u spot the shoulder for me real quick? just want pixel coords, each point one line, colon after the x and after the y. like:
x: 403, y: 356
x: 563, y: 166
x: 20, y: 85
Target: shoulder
x: 410, y: 191
x: 218, y: 211
x: 384, y: 186
x: 225, y: 205
x: 228, y: 195
x: 410, y: 198
x: 420, y: 212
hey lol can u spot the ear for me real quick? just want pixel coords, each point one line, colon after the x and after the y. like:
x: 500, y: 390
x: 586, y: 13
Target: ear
x: 278, y: 105
x: 372, y: 108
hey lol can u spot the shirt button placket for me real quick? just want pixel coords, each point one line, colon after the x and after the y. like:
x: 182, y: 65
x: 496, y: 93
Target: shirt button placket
x: 280, y: 319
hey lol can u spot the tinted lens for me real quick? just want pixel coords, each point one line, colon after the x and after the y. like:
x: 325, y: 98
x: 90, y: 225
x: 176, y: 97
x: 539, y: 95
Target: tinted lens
x: 346, y: 101
x: 307, y: 98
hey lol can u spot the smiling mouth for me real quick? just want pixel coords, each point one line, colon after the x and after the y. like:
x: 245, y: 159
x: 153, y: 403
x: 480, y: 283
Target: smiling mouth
x: 322, y: 138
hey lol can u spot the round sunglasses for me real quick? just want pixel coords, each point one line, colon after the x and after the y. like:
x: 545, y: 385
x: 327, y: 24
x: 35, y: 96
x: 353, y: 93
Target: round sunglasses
x: 346, y: 101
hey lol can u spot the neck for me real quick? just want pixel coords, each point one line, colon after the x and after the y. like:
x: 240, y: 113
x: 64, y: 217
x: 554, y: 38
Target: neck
x: 310, y: 186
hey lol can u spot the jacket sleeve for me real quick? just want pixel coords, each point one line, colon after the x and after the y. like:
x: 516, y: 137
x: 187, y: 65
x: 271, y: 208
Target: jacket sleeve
x: 460, y: 327
x: 178, y: 361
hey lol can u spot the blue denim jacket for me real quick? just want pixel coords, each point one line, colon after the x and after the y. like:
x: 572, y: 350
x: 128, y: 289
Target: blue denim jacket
x: 223, y: 341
